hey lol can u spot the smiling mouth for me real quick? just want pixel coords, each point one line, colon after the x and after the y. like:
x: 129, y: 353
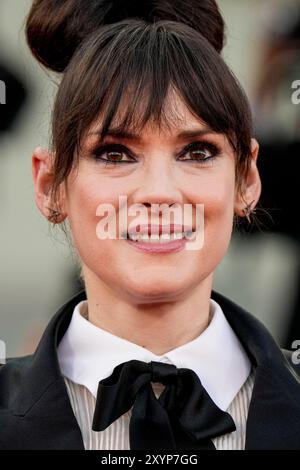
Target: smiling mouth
x: 156, y: 238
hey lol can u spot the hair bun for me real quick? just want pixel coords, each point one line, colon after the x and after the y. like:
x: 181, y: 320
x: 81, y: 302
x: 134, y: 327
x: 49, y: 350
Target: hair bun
x: 55, y: 28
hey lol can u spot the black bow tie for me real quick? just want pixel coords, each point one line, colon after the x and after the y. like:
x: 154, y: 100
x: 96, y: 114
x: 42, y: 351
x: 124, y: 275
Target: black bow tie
x: 183, y: 417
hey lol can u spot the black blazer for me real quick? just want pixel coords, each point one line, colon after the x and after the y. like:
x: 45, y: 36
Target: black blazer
x: 36, y: 413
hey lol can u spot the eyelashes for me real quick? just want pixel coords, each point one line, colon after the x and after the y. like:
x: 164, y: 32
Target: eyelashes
x: 200, y: 152
x: 116, y: 151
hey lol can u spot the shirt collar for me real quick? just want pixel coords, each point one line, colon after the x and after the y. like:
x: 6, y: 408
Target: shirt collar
x: 88, y: 354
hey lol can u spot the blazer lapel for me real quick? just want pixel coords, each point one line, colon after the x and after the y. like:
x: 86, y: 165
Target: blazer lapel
x: 274, y: 413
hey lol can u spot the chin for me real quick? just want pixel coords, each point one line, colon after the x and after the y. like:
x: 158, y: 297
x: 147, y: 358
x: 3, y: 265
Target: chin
x: 158, y: 290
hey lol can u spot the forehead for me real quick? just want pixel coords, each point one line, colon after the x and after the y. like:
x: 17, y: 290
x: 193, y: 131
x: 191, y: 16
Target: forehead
x: 175, y: 116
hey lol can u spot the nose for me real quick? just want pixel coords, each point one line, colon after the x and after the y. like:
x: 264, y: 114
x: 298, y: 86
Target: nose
x: 157, y: 185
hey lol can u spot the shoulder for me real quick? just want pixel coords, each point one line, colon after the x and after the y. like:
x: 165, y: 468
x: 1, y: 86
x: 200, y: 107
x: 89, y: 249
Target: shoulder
x: 293, y: 359
x: 11, y: 377
x: 28, y: 377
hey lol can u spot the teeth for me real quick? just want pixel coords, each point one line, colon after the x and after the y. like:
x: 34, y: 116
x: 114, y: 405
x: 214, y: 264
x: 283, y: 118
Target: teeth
x: 172, y: 236
x: 188, y: 233
x: 133, y: 237
x: 165, y: 237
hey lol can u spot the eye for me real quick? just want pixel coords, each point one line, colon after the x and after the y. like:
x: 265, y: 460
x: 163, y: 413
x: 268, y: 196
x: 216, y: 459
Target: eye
x: 201, y: 152
x: 112, y: 154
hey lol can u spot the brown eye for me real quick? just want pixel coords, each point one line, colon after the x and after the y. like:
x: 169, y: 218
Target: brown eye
x: 196, y: 154
x: 201, y: 152
x: 113, y: 154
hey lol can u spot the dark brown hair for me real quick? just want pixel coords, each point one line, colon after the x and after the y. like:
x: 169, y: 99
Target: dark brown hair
x: 108, y: 50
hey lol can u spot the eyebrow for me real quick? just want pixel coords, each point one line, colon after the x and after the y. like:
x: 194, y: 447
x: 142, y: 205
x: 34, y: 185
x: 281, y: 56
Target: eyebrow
x: 183, y: 135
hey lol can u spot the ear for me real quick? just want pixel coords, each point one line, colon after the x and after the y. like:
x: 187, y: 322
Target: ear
x: 251, y: 186
x: 43, y: 180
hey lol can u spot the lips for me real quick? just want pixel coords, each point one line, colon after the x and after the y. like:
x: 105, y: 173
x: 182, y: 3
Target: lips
x: 149, y: 238
x: 157, y: 246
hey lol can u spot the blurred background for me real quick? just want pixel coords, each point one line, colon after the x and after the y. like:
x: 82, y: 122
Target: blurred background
x: 261, y: 270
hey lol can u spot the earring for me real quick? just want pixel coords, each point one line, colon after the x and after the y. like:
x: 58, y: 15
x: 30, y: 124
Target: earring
x: 54, y: 214
x: 247, y: 211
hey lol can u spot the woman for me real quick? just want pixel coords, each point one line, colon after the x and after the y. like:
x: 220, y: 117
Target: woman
x: 147, y: 355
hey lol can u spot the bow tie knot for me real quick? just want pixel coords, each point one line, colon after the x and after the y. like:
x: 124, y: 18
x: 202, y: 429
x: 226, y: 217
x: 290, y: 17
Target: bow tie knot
x: 183, y: 417
x: 162, y: 372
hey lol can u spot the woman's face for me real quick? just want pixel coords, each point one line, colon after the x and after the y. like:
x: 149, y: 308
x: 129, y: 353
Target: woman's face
x: 159, y: 167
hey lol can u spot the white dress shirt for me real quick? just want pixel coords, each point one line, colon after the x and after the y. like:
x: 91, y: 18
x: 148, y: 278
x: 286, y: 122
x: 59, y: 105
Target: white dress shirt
x: 88, y: 354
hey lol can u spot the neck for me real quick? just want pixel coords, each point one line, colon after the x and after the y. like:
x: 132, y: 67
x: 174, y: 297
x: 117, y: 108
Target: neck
x: 156, y: 326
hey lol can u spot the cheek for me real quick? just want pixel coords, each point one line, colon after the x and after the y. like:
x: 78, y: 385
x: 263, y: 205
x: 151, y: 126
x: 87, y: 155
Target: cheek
x: 86, y: 193
x: 219, y: 202
x: 216, y: 192
x: 218, y: 216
